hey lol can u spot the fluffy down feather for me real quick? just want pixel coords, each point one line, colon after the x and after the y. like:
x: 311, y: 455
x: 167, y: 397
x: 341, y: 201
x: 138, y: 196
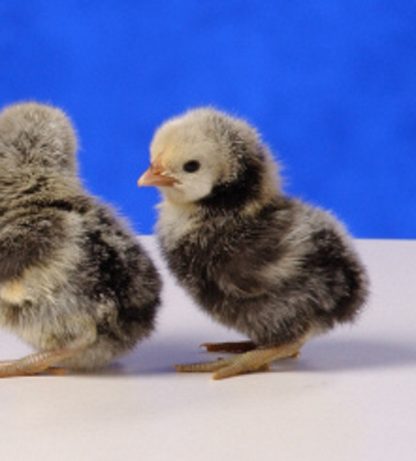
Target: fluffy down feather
x: 71, y: 272
x: 272, y: 267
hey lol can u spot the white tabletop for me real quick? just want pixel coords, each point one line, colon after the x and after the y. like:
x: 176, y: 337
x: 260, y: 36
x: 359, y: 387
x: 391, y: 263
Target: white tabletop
x: 350, y: 396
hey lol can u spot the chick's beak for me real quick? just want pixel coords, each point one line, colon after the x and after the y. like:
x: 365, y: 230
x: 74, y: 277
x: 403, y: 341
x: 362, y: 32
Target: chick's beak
x: 156, y: 176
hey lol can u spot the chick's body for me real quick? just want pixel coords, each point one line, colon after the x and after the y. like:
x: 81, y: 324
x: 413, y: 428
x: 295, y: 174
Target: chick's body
x: 275, y: 269
x: 282, y: 273
x: 74, y: 281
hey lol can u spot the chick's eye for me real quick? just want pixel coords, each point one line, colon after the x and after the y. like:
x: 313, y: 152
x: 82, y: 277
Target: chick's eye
x: 191, y: 166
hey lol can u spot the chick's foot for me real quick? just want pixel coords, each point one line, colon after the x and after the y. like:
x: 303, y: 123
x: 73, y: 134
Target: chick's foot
x: 248, y: 362
x: 231, y: 347
x: 49, y: 371
x: 40, y: 362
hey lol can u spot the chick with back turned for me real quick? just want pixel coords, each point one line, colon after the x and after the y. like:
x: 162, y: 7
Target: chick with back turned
x: 273, y: 268
x: 74, y: 281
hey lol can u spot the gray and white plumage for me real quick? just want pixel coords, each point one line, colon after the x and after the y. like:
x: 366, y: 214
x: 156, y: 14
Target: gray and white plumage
x: 72, y: 273
x: 269, y: 266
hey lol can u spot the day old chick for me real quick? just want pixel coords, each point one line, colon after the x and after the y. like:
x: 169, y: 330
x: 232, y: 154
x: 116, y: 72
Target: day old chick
x: 74, y: 282
x: 275, y: 269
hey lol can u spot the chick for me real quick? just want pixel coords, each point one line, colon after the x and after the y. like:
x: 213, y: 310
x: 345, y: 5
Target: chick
x: 271, y: 267
x: 74, y: 281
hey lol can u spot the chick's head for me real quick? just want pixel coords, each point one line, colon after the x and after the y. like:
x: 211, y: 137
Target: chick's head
x: 205, y: 152
x: 37, y: 136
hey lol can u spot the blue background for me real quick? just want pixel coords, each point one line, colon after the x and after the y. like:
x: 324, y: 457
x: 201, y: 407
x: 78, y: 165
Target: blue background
x: 330, y: 84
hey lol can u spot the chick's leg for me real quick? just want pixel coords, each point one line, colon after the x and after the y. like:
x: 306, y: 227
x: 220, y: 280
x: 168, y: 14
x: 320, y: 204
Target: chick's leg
x: 231, y: 347
x: 255, y: 360
x: 41, y: 362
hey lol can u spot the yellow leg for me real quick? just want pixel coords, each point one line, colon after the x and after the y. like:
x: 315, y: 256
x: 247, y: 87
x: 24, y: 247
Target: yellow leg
x: 53, y: 371
x: 255, y: 360
x: 41, y: 362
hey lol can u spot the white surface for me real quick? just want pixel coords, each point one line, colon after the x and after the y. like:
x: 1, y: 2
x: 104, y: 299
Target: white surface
x: 351, y: 396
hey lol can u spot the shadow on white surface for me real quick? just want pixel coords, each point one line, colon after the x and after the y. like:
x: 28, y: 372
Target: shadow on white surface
x: 154, y: 359
x: 339, y: 355
x: 330, y: 356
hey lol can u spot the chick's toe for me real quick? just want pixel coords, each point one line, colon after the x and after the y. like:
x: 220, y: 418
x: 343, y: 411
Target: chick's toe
x: 230, y: 347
